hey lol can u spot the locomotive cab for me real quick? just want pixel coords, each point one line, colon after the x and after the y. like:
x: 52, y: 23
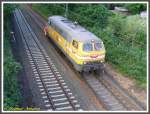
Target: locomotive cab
x: 93, y: 53
x: 90, y: 55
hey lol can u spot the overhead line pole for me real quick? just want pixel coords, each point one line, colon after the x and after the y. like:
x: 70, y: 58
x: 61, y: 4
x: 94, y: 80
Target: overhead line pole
x: 66, y: 10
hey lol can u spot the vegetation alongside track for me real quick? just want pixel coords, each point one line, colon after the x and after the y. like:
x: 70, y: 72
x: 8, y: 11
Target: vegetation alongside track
x: 12, y: 96
x: 124, y: 36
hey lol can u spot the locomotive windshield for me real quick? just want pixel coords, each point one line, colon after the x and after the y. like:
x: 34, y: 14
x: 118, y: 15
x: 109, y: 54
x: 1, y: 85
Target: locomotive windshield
x: 97, y: 46
x: 87, y: 47
x: 92, y: 46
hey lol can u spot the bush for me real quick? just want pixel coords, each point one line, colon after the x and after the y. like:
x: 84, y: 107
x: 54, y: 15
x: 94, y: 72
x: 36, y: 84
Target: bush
x: 90, y: 15
x: 12, y: 94
x: 130, y: 28
x: 135, y: 8
x: 8, y: 8
x: 135, y: 28
x: 116, y: 24
x: 113, y: 5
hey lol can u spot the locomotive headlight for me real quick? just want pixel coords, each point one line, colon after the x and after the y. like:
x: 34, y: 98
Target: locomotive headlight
x: 84, y: 62
x: 92, y: 41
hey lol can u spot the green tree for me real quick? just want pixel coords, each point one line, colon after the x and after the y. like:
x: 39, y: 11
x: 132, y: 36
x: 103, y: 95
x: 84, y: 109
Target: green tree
x: 135, y: 8
x: 91, y: 14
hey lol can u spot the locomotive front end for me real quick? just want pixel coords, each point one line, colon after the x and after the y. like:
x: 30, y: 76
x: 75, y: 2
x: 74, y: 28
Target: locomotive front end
x: 93, y: 53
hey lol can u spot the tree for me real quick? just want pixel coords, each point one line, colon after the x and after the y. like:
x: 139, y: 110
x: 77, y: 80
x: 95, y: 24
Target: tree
x: 135, y: 8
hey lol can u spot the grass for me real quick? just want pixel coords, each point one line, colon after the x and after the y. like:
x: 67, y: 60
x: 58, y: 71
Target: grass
x: 129, y: 59
x: 12, y: 96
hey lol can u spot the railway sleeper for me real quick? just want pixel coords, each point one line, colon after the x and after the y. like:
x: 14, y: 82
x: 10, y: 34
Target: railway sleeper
x: 65, y: 87
x: 46, y: 71
x: 49, y: 82
x: 37, y: 53
x: 120, y: 107
x: 43, y: 93
x: 116, y: 107
x: 52, y: 82
x: 62, y: 104
x: 51, y: 85
x: 48, y: 105
x: 59, y: 77
x: 77, y: 106
x: 40, y: 86
x: 45, y: 77
x: 45, y: 74
x: 50, y: 78
x: 74, y: 101
x: 52, y: 92
x: 55, y: 88
x: 38, y: 80
x: 38, y: 56
x: 34, y: 50
x: 65, y: 108
x: 62, y: 81
x: 45, y: 97
x: 60, y: 95
x: 46, y: 101
x: 103, y: 96
x: 110, y: 100
x: 41, y: 62
x: 42, y: 69
x: 42, y: 89
x: 67, y: 90
x: 60, y: 99
x: 113, y: 104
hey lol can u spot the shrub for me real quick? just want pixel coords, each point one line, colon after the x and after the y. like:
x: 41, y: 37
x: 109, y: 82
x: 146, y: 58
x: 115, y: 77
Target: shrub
x: 135, y: 28
x: 91, y: 15
x: 130, y: 28
x: 116, y: 24
x: 12, y: 94
x: 135, y: 8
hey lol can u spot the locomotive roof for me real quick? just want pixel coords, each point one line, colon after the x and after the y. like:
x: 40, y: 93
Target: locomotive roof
x: 73, y: 29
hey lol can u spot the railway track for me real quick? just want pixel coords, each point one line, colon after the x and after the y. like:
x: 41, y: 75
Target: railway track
x: 109, y: 94
x: 54, y: 91
x: 40, y: 21
x: 109, y: 101
x: 112, y: 97
x: 130, y: 102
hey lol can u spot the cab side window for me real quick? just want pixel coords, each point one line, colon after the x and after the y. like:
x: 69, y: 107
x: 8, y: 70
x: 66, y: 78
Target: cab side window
x: 75, y: 44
